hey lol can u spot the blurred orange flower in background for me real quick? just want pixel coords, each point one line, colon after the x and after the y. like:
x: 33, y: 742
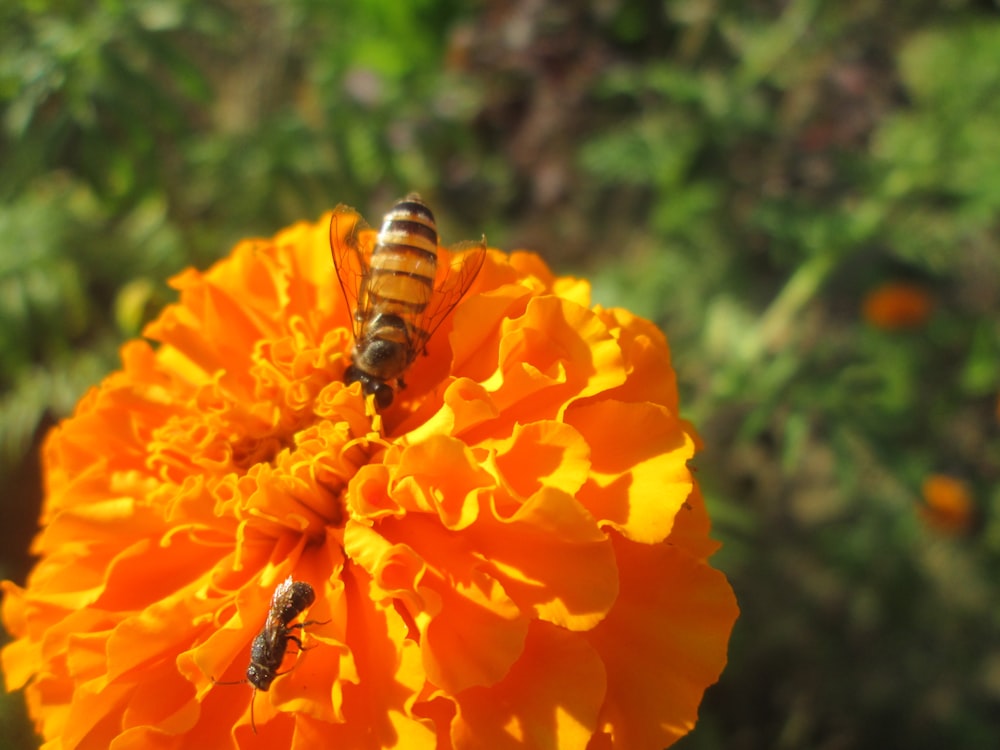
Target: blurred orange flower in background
x: 898, y: 305
x: 948, y: 505
x: 512, y: 554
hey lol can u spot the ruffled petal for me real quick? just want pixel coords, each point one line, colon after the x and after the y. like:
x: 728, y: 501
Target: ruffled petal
x: 550, y: 698
x: 682, y: 612
x: 552, y: 559
x: 470, y: 631
x: 639, y: 477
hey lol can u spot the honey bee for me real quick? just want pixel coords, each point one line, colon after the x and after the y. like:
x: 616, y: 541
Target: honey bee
x: 267, y: 651
x: 400, y: 289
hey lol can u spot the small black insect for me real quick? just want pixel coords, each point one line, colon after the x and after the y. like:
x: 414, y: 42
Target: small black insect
x: 267, y: 651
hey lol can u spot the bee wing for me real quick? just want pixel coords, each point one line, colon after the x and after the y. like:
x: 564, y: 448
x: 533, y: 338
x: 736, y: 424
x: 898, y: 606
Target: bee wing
x: 272, y: 630
x: 351, y: 244
x: 453, y: 279
x: 280, y: 592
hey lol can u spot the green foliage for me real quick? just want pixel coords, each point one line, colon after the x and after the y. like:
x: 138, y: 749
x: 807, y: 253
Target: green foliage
x: 940, y: 159
x: 77, y: 78
x: 57, y: 335
x: 787, y: 176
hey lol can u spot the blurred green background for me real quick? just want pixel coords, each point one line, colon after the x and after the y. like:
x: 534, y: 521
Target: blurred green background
x: 746, y: 173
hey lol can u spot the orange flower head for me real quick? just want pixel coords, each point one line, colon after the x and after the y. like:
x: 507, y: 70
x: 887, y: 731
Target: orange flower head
x: 948, y: 505
x: 898, y: 305
x: 513, y: 553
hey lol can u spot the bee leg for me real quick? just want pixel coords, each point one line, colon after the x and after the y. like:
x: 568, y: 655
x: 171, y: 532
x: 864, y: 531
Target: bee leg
x: 297, y: 643
x: 316, y: 622
x: 300, y: 625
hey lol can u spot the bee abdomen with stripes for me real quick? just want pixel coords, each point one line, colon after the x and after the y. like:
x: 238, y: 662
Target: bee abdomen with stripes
x: 399, y: 290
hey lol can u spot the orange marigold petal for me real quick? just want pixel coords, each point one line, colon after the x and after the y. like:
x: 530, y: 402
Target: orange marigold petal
x: 551, y: 557
x: 477, y: 325
x: 18, y: 659
x: 376, y: 706
x: 682, y: 612
x: 160, y: 711
x: 639, y: 478
x: 96, y: 715
x: 465, y: 406
x: 476, y: 637
x: 550, y: 698
x: 19, y: 656
x: 649, y: 373
x: 543, y: 454
x: 555, y: 352
x: 470, y: 629
x: 691, y: 527
x: 440, y: 476
x: 532, y: 270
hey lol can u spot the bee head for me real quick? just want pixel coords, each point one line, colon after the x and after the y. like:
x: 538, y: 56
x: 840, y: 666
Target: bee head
x: 382, y: 392
x: 370, y: 386
x: 260, y: 676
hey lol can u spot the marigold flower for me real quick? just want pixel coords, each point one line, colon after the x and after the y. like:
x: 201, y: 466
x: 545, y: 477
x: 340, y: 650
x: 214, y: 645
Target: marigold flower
x: 948, y: 506
x: 513, y: 554
x: 897, y: 305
